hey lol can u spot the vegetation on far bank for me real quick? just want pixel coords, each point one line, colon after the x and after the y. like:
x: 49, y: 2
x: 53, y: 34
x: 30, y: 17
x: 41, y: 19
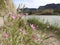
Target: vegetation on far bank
x: 49, y: 9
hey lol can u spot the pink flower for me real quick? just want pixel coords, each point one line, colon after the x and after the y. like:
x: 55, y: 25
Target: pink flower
x: 13, y: 16
x: 6, y: 35
x: 24, y: 32
x: 32, y: 26
x: 33, y: 37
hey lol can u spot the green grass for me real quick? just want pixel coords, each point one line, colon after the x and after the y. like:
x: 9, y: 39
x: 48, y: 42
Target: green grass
x: 43, y: 27
x: 17, y: 37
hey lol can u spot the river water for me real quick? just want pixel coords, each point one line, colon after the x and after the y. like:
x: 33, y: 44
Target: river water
x: 54, y: 20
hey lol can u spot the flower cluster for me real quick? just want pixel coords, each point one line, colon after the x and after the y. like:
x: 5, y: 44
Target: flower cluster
x: 32, y: 26
x: 6, y: 35
x: 24, y: 32
x: 21, y: 32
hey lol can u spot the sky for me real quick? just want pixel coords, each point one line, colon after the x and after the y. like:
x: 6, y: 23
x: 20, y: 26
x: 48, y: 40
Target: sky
x: 34, y: 3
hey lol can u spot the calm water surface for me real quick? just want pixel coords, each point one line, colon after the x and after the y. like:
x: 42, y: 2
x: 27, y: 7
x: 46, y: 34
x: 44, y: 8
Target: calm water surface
x: 54, y: 20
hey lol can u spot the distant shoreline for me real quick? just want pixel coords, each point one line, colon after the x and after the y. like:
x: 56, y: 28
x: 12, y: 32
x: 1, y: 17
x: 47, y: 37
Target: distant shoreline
x: 49, y: 9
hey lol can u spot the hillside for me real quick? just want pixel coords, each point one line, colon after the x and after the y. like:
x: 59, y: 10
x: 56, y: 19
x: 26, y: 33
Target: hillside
x: 49, y: 9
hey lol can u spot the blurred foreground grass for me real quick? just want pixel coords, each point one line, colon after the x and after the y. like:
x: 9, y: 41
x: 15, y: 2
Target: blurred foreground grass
x: 26, y: 32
